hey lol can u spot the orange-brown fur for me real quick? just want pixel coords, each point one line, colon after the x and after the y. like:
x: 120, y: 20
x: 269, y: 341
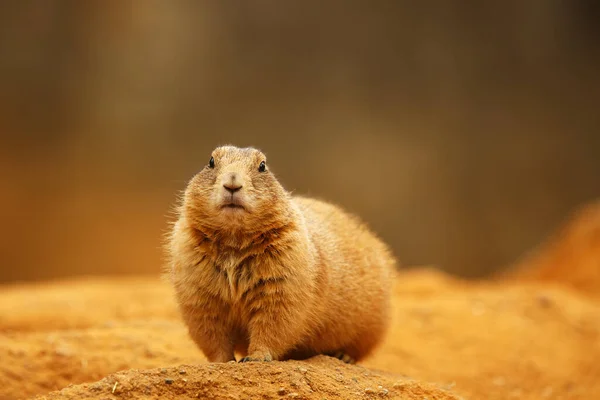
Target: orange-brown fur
x: 284, y: 277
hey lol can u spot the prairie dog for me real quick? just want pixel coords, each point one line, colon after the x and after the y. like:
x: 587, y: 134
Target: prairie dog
x: 273, y: 276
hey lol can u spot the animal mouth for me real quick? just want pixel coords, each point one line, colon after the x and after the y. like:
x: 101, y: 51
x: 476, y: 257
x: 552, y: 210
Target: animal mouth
x: 233, y: 205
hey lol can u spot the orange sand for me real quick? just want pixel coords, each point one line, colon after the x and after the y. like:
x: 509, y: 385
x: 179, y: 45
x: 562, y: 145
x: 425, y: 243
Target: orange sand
x: 535, y: 335
x: 570, y: 257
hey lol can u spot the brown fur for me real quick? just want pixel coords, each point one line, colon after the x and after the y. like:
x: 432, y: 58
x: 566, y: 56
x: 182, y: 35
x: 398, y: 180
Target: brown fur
x: 284, y: 277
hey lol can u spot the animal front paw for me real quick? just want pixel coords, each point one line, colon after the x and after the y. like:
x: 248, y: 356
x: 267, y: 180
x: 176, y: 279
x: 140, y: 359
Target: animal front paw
x: 257, y: 357
x: 340, y: 355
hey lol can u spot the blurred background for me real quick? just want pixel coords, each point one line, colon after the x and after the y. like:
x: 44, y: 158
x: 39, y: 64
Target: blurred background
x: 464, y: 133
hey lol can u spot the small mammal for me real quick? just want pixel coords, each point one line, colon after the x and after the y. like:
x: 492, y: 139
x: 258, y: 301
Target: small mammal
x: 274, y: 276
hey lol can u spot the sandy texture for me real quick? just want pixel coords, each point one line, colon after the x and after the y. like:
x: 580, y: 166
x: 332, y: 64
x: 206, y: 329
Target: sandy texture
x: 494, y: 341
x: 522, y: 341
x: 84, y: 303
x: 320, y: 377
x: 535, y: 335
x: 569, y: 257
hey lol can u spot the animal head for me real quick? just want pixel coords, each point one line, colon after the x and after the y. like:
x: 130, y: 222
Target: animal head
x: 235, y: 193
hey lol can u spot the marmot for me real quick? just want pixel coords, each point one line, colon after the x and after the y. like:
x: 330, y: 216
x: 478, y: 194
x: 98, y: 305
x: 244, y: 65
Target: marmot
x: 273, y: 276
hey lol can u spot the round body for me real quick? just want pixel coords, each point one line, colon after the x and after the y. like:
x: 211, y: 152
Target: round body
x: 271, y: 276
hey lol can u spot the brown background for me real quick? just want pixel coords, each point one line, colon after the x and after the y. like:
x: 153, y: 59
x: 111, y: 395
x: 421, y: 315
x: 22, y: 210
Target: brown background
x: 463, y: 132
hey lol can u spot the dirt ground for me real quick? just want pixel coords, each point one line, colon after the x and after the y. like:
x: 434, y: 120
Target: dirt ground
x: 571, y: 256
x: 535, y: 335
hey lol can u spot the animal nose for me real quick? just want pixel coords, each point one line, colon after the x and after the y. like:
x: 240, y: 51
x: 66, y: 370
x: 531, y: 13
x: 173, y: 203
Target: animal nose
x: 232, y: 182
x: 232, y: 187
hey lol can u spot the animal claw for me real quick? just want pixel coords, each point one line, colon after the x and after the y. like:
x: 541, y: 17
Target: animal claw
x: 265, y: 358
x: 340, y: 355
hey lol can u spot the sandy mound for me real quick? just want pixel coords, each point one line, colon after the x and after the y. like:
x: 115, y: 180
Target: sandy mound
x: 570, y: 257
x: 533, y: 335
x: 44, y: 361
x: 486, y: 340
x: 320, y: 377
x: 495, y: 341
x: 83, y: 303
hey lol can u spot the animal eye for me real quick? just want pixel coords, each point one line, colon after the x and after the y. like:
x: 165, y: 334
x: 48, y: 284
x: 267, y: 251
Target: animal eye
x: 211, y: 163
x: 262, y: 167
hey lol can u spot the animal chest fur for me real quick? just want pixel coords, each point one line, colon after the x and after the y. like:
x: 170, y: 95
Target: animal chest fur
x: 238, y: 275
